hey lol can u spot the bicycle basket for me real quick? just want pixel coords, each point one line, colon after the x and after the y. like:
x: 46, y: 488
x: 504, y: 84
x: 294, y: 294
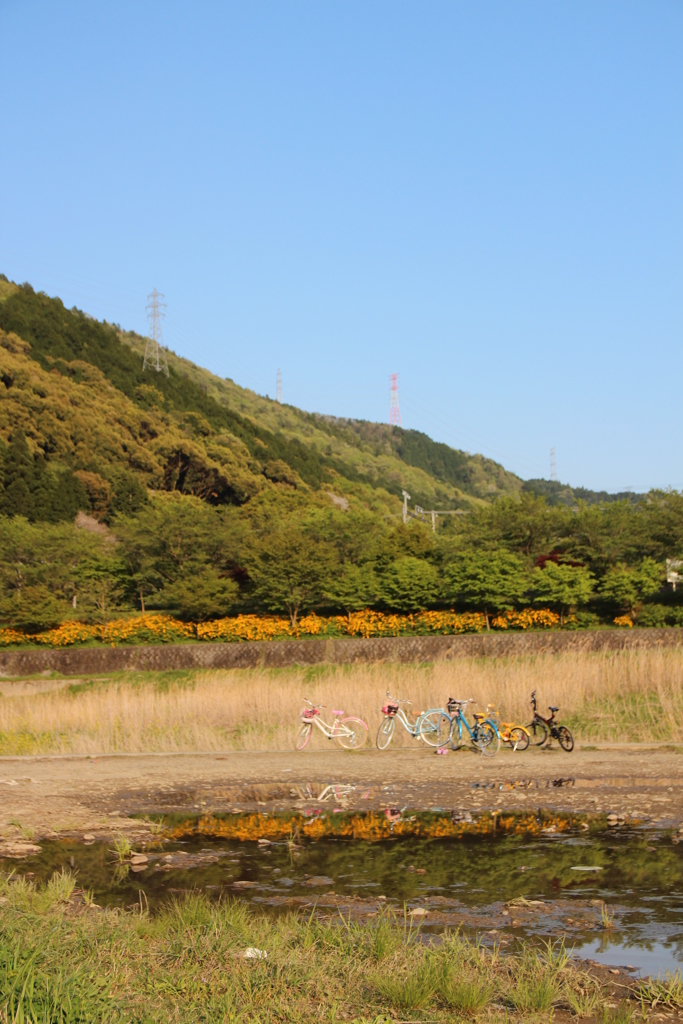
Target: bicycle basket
x: 452, y: 705
x: 390, y: 709
x: 309, y: 713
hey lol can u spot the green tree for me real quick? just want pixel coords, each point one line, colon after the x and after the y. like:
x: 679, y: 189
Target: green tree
x: 19, y: 478
x: 562, y: 586
x: 354, y: 588
x: 626, y: 587
x: 204, y: 595
x: 410, y: 584
x: 38, y: 568
x: 129, y: 495
x: 492, y: 582
x: 523, y: 524
x: 173, y: 541
x: 291, y: 569
x: 100, y: 580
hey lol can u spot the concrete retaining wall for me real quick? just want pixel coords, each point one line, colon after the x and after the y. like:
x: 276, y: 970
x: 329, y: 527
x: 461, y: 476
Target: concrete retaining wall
x: 280, y: 654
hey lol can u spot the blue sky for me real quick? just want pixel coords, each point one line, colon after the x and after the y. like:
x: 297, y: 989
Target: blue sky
x: 484, y: 197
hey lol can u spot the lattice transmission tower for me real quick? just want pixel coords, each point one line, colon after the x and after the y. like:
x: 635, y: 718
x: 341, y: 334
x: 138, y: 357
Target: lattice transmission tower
x: 394, y: 408
x: 553, y: 465
x: 155, y: 354
x: 278, y: 388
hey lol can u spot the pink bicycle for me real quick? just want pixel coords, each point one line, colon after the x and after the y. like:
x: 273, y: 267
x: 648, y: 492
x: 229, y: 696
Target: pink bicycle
x: 350, y: 733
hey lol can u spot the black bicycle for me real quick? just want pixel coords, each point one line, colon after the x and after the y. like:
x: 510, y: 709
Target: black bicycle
x: 541, y: 729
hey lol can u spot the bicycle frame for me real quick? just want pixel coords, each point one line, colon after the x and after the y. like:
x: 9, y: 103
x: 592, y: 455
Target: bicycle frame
x: 412, y: 728
x: 550, y: 722
x: 331, y: 731
x: 504, y: 728
x: 460, y: 719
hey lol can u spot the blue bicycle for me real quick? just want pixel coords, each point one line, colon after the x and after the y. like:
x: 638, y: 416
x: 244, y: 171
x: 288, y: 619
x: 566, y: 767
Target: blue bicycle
x: 483, y: 735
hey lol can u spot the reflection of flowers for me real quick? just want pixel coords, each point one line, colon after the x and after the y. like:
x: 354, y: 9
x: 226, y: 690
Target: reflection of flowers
x: 370, y: 827
x: 151, y: 629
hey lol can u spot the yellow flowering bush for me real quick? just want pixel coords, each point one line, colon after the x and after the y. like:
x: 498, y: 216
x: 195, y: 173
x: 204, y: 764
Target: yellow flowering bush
x: 623, y: 620
x: 163, y: 629
x: 528, y: 618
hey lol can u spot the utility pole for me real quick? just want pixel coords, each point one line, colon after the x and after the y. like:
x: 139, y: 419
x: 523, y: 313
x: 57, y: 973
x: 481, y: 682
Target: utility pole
x: 155, y: 355
x: 553, y: 465
x: 394, y: 409
x: 278, y: 390
x: 406, y: 499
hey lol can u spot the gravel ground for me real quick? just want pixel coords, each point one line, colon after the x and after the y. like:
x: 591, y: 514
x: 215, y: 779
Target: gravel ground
x: 40, y: 797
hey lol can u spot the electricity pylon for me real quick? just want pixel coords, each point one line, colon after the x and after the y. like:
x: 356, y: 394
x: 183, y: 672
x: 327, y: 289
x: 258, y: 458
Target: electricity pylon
x: 155, y: 355
x: 394, y: 409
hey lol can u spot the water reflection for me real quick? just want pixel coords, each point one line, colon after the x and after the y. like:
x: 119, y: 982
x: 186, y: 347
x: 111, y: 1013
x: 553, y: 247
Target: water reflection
x: 638, y: 874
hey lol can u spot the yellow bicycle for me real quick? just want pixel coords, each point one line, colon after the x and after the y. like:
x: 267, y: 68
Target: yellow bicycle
x: 516, y: 736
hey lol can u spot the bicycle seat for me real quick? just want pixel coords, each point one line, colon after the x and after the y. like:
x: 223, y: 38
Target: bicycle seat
x: 552, y: 708
x: 337, y: 712
x: 478, y: 717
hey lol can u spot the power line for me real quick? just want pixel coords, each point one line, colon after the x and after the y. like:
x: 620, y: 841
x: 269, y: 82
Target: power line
x: 394, y: 408
x: 155, y: 356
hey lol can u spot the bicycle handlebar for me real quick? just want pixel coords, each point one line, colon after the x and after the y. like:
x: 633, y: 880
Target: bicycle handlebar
x: 307, y: 701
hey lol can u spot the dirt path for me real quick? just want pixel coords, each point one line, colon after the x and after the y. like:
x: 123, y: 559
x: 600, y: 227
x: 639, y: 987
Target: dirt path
x: 70, y: 795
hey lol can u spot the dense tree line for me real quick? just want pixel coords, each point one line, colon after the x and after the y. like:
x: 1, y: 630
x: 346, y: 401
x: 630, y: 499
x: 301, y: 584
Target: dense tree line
x: 288, y: 554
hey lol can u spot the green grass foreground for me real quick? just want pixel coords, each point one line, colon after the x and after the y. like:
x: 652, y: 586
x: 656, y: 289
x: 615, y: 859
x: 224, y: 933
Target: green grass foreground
x: 64, y: 960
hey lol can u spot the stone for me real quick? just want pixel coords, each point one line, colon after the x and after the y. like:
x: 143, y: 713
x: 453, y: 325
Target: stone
x: 316, y: 880
x: 89, y: 837
x: 18, y: 849
x: 418, y: 912
x: 139, y: 858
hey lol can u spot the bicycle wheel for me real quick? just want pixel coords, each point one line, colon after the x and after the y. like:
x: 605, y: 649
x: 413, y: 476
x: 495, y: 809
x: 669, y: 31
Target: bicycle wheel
x: 303, y: 735
x: 356, y: 736
x: 538, y: 733
x: 435, y: 728
x: 385, y: 733
x: 486, y: 739
x: 518, y: 738
x: 565, y: 738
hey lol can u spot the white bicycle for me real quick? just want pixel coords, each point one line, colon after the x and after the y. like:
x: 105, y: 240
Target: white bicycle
x: 427, y: 725
x: 350, y: 733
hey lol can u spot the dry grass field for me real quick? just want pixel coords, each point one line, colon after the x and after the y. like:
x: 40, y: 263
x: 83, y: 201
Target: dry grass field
x: 614, y: 696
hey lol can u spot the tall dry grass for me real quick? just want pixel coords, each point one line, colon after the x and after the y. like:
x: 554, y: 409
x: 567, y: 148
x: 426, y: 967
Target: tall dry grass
x: 627, y: 696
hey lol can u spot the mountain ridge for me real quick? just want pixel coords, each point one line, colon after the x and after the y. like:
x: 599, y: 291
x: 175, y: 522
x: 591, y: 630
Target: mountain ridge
x: 76, y: 388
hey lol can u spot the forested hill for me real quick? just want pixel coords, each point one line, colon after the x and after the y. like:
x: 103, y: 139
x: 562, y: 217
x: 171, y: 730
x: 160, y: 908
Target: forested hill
x: 76, y: 389
x: 124, y: 491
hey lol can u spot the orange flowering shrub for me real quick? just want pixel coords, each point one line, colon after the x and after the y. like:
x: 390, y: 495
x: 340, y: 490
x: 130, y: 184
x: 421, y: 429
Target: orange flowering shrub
x: 163, y: 629
x: 143, y: 629
x: 623, y: 620
x: 528, y: 618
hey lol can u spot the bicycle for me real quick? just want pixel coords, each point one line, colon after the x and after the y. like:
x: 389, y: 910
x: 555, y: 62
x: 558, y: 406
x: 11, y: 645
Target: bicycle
x: 350, y: 733
x: 484, y: 735
x: 541, y: 729
x: 392, y: 711
x: 516, y: 736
